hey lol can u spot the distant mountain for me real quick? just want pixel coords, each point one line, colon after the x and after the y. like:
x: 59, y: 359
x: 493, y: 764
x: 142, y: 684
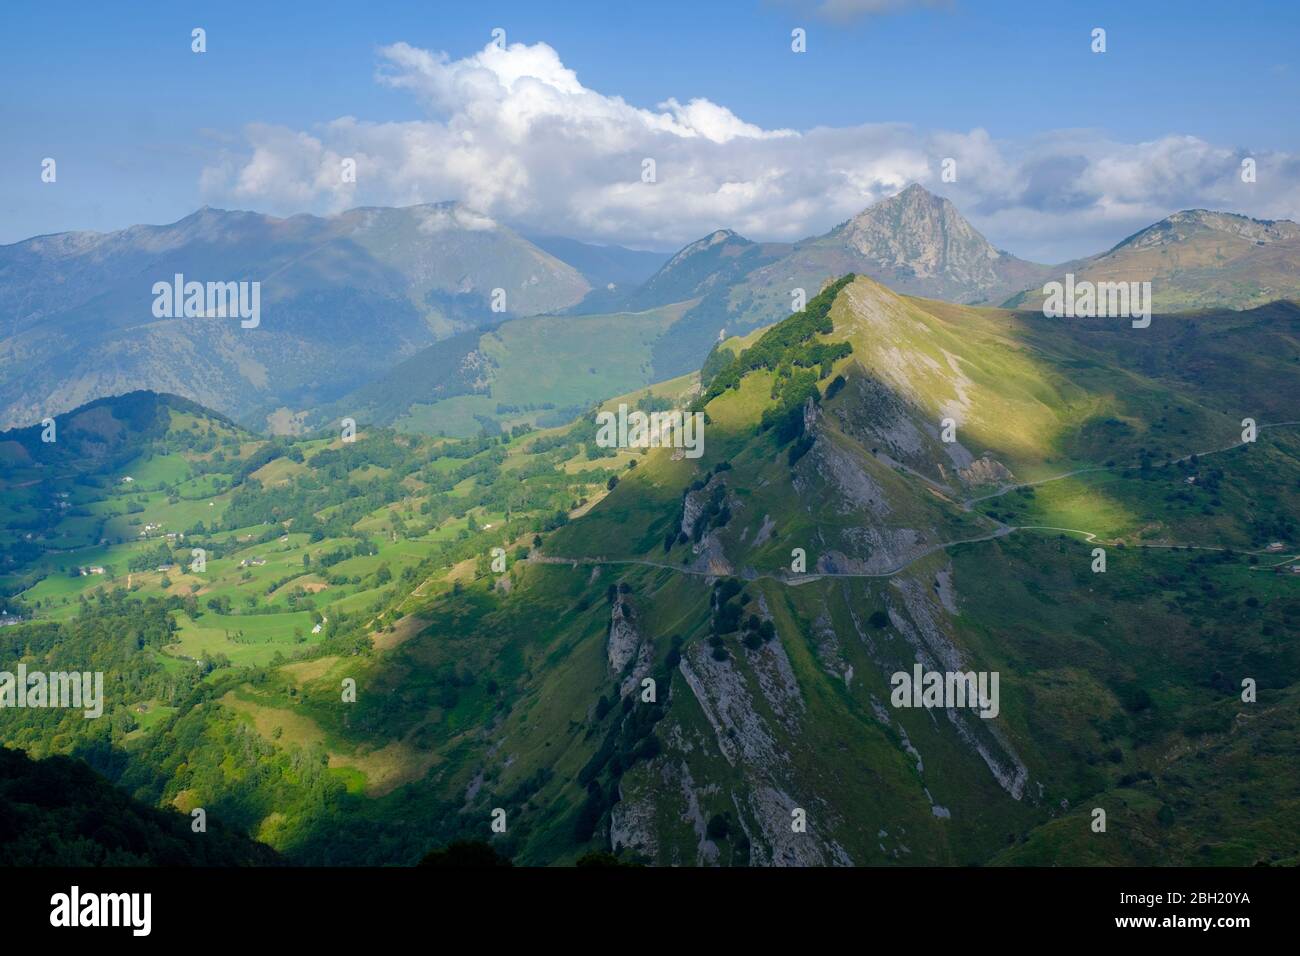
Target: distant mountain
x: 1192, y: 223
x: 342, y: 299
x: 449, y: 368
x: 725, y: 284
x: 603, y: 266
x: 1197, y: 259
x: 375, y: 312
x: 919, y: 244
x: 914, y: 242
x: 713, y: 264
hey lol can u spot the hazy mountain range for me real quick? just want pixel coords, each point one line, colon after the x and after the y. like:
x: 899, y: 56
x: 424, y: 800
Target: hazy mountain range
x: 374, y: 312
x: 344, y: 299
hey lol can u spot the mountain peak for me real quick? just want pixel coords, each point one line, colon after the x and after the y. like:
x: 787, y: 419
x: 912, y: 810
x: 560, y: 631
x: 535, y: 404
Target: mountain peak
x: 915, y: 192
x: 921, y: 235
x: 716, y: 238
x: 913, y: 197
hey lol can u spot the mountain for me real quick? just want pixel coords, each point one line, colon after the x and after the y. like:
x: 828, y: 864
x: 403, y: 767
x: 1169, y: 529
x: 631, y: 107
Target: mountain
x: 915, y: 242
x: 385, y: 315
x: 1197, y: 259
x: 602, y: 266
x: 342, y: 299
x: 101, y: 433
x: 721, y: 284
x: 714, y: 264
x: 919, y: 244
x: 725, y: 284
x: 773, y: 687
x: 673, y: 658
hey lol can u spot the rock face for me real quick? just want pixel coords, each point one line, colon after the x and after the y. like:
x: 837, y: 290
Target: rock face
x: 918, y: 243
x: 632, y: 824
x: 626, y: 646
x: 728, y: 705
x: 923, y: 234
x: 986, y: 471
x: 754, y: 706
x: 692, y: 508
x: 927, y: 627
x: 623, y: 635
x: 711, y: 557
x: 857, y: 490
x: 885, y: 550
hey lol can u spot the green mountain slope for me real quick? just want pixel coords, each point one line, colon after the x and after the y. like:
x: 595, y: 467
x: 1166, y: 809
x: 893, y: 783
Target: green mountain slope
x: 1093, y: 696
x: 58, y: 812
x: 683, y: 659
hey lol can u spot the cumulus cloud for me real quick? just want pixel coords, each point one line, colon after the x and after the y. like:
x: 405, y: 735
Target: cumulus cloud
x: 512, y: 133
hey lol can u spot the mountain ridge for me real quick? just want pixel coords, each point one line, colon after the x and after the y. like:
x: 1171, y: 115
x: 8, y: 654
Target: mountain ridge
x: 342, y: 300
x: 356, y: 295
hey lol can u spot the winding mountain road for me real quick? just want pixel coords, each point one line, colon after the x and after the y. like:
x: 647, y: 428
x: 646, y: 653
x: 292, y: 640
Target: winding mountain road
x: 1000, y: 532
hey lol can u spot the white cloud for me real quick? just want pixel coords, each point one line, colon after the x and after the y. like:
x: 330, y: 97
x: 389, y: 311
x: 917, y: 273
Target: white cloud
x: 514, y: 134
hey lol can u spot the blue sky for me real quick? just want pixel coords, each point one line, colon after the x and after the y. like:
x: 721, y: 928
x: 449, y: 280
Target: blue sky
x: 133, y: 117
